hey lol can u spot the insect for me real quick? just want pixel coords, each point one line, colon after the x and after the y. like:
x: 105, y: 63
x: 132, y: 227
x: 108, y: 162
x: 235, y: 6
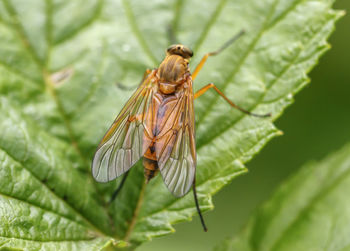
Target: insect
x: 157, y: 123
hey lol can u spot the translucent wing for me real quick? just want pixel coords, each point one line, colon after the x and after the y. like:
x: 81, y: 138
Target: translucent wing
x: 175, y: 147
x: 124, y: 143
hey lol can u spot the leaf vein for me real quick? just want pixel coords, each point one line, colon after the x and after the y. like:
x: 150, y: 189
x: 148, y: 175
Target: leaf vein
x: 45, y: 209
x: 18, y: 27
x: 93, y: 19
x: 48, y: 31
x: 241, y: 62
x: 279, y: 76
x: 18, y: 73
x: 209, y: 24
x: 136, y: 31
x: 178, y: 9
x: 55, y: 195
x: 318, y: 197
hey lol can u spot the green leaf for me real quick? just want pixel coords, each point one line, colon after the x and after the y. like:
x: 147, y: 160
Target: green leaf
x: 43, y: 198
x: 60, y: 61
x: 310, y: 211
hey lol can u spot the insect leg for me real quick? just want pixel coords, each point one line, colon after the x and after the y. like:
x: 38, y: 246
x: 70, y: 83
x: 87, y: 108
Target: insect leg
x: 130, y: 88
x: 223, y: 47
x: 201, y: 91
x: 197, y: 206
x: 116, y: 192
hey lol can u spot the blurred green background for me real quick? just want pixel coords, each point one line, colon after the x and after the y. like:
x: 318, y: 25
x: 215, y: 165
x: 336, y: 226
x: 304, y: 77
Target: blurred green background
x: 317, y: 123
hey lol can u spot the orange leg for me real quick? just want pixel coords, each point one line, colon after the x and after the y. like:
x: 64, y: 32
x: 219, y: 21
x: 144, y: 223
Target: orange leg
x: 203, y: 90
x: 205, y: 57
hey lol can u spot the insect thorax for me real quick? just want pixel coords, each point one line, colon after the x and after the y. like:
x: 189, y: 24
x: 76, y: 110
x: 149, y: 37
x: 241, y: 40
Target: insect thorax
x: 173, y: 70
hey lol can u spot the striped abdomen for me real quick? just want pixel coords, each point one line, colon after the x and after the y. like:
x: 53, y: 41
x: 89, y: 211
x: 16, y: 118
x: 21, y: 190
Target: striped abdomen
x: 150, y: 163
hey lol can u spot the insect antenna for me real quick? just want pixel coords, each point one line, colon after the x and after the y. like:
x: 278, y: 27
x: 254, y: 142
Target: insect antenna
x: 197, y: 206
x: 132, y: 87
x: 227, y: 43
x: 116, y: 192
x: 223, y: 47
x: 126, y: 87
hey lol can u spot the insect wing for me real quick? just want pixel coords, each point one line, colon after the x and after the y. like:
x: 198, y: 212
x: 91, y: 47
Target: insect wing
x: 176, y: 152
x: 123, y: 144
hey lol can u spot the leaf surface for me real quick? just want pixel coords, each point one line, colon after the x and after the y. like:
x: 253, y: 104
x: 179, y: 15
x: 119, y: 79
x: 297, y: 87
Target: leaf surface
x: 310, y: 211
x: 60, y: 61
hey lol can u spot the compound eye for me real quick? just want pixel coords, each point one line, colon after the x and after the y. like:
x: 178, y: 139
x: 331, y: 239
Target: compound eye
x: 188, y: 52
x: 172, y: 48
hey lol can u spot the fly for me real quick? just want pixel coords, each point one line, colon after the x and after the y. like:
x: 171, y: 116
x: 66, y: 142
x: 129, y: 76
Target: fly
x: 157, y: 124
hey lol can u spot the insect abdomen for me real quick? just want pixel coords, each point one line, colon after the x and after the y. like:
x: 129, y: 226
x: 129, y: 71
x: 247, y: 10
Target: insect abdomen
x: 150, y: 168
x: 159, y: 118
